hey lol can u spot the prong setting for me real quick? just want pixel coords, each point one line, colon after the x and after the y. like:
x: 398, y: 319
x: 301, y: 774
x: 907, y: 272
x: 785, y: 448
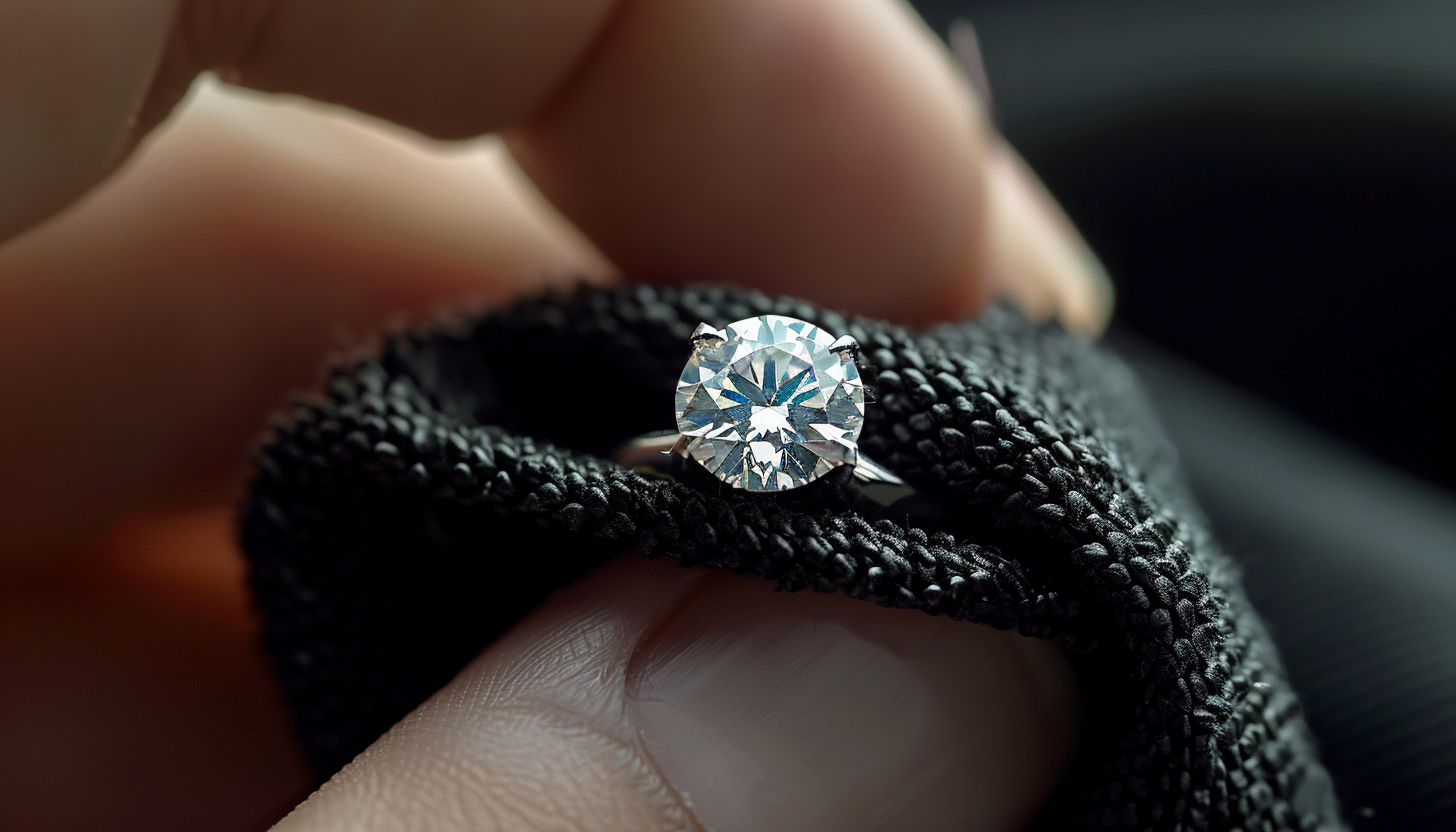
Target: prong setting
x: 845, y: 347
x: 706, y: 336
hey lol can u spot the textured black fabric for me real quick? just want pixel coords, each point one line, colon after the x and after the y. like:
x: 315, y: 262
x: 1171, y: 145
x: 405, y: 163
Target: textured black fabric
x: 1353, y: 565
x: 438, y: 491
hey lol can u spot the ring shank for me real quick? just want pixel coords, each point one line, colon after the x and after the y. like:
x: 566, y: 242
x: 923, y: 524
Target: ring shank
x: 652, y: 450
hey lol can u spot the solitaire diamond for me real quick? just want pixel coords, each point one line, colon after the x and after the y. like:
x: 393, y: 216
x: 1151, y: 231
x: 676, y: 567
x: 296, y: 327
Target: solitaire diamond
x: 770, y: 403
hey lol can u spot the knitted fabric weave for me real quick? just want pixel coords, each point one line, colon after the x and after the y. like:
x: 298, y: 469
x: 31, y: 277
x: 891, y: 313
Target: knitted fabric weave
x: 439, y: 490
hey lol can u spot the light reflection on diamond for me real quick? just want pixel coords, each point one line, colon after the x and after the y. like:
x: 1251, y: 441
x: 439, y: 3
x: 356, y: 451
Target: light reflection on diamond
x: 770, y: 408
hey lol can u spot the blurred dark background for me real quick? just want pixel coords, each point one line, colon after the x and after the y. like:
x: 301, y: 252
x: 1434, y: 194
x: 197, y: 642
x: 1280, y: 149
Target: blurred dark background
x: 1273, y: 188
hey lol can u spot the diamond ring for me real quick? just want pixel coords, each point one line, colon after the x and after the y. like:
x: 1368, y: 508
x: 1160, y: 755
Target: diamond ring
x: 766, y: 404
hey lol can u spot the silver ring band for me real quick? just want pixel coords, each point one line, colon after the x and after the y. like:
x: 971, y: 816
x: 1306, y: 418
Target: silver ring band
x: 653, y: 451
x: 877, y: 490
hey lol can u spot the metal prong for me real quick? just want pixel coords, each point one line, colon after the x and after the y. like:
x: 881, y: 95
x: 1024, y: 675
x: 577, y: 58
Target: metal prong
x: 867, y: 471
x: 650, y: 451
x: 845, y: 345
x: 706, y: 335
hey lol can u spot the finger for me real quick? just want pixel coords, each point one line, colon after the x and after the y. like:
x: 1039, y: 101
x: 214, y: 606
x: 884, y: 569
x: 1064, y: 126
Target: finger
x: 824, y: 148
x: 654, y: 698
x: 133, y: 694
x: 81, y: 77
x: 819, y: 148
x: 150, y: 330
x: 176, y: 307
x: 1035, y: 257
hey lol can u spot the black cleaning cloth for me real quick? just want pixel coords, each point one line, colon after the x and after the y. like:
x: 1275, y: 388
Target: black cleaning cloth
x: 438, y: 490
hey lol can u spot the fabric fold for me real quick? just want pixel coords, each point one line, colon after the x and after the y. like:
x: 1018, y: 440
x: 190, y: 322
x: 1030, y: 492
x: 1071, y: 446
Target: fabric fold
x: 439, y: 489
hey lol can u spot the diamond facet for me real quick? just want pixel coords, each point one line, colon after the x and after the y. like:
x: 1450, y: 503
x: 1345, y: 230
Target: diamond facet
x: 770, y: 407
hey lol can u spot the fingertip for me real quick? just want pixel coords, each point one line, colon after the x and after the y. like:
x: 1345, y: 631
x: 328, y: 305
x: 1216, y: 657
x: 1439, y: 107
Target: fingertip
x: 788, y: 712
x: 653, y: 697
x: 1035, y: 256
x: 532, y: 734
x: 820, y: 148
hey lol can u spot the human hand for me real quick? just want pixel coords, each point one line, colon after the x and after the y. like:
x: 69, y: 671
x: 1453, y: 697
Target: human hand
x: 823, y: 148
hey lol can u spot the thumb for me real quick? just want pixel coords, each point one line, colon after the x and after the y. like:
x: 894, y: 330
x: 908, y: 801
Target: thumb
x: 649, y: 697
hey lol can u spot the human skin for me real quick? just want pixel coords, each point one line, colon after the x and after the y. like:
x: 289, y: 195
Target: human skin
x: 822, y: 148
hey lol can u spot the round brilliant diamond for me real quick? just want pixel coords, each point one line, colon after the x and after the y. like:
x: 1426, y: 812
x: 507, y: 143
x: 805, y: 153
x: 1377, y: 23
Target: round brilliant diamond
x: 771, y: 406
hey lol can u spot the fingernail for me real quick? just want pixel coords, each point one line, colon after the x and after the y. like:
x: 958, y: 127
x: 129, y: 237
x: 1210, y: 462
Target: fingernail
x: 1037, y: 257
x: 966, y: 47
x: 773, y: 712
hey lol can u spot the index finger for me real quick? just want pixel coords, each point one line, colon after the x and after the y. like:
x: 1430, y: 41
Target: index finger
x: 823, y: 148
